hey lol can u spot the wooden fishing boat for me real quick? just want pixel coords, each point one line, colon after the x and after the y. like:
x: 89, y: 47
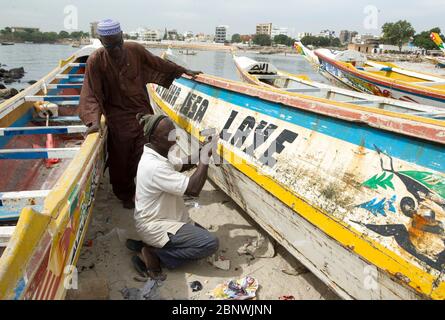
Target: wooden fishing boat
x: 355, y: 193
x: 352, y: 69
x: 435, y: 37
x: 267, y: 75
x: 8, y: 43
x: 49, y: 178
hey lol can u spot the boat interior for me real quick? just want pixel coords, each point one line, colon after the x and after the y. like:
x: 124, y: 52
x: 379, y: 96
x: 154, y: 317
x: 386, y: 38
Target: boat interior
x: 40, y: 133
x: 270, y: 76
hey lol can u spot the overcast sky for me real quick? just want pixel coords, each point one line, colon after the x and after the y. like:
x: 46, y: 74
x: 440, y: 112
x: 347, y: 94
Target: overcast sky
x: 240, y: 15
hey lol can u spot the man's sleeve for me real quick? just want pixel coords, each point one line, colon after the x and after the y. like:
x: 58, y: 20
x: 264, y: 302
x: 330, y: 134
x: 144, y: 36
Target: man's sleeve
x: 90, y: 109
x: 158, y: 70
x: 168, y: 180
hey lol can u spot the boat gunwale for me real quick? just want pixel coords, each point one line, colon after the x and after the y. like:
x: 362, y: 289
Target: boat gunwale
x: 377, y: 99
x: 397, y: 84
x: 411, y: 125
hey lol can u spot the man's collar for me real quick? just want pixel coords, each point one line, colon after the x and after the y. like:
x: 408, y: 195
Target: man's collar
x: 148, y: 149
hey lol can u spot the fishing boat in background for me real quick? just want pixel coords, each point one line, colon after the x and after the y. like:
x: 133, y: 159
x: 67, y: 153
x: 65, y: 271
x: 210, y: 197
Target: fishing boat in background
x: 435, y: 37
x: 8, y: 43
x: 352, y: 69
x: 49, y: 178
x: 267, y: 75
x: 188, y: 52
x: 357, y: 194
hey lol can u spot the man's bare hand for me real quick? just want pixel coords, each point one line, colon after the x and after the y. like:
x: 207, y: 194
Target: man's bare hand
x: 192, y: 73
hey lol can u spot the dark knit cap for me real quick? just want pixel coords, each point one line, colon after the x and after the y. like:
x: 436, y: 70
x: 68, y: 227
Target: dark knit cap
x: 149, y: 122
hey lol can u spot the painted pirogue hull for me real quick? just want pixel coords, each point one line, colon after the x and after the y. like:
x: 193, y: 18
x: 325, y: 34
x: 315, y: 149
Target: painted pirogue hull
x: 338, y: 187
x: 39, y: 261
x: 366, y: 82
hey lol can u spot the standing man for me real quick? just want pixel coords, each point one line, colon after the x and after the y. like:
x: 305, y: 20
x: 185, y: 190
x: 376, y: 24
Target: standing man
x: 115, y: 86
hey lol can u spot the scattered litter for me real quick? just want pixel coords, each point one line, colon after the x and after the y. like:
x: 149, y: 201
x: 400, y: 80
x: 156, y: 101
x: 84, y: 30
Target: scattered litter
x: 219, y: 262
x: 241, y: 289
x: 196, y: 286
x: 89, y: 243
x: 286, y: 298
x: 150, y: 291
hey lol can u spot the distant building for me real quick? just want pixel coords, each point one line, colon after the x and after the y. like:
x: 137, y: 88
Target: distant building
x: 327, y: 34
x: 346, y: 36
x: 301, y: 35
x: 276, y: 31
x: 364, y: 48
x: 24, y: 29
x: 264, y: 28
x: 151, y: 35
x: 221, y: 34
x: 173, y: 35
x: 93, y: 30
x: 364, y: 38
x: 188, y: 34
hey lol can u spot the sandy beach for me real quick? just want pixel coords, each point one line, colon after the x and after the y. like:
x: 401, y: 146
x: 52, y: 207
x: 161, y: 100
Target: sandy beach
x: 105, y: 267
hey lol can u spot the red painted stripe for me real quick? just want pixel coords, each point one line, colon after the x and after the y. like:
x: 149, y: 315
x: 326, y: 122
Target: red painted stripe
x: 382, y: 82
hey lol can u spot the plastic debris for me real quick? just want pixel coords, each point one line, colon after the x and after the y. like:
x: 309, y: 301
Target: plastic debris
x: 286, y: 298
x: 241, y: 289
x: 196, y: 286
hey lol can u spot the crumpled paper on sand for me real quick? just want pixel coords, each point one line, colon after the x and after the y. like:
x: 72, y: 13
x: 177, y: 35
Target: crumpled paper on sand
x: 241, y: 289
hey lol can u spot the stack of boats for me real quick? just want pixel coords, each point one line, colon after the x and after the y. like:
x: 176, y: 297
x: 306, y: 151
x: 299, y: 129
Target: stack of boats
x: 351, y: 184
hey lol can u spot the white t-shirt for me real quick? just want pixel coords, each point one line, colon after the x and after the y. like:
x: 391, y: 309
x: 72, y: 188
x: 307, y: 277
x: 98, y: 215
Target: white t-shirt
x: 159, y: 205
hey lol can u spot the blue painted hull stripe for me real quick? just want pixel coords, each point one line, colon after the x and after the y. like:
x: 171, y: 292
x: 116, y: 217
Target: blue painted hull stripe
x: 19, y: 123
x: 428, y: 155
x: 43, y: 130
x: 25, y: 156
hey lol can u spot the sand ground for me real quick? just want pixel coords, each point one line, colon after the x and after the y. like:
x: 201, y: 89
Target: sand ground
x: 105, y: 267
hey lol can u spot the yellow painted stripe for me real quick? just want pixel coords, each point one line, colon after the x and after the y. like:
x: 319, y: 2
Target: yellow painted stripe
x: 29, y: 230
x: 364, y: 246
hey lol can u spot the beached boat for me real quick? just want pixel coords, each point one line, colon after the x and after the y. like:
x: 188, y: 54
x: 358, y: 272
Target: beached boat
x: 267, y: 75
x: 8, y: 43
x: 188, y: 53
x: 355, y: 193
x: 435, y: 37
x: 352, y: 69
x: 49, y: 178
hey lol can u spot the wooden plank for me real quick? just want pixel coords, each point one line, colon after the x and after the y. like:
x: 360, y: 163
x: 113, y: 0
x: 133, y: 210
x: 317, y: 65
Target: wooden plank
x: 70, y: 76
x: 43, y: 153
x: 65, y: 86
x: 23, y: 198
x: 59, y: 119
x: 53, y: 98
x: 16, y: 131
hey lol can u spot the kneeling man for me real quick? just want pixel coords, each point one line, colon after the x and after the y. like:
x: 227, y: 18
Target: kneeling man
x: 169, y: 236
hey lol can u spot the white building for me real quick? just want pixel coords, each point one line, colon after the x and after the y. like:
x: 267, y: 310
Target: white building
x: 301, y: 35
x: 327, y: 34
x: 276, y: 31
x: 151, y: 35
x: 221, y: 34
